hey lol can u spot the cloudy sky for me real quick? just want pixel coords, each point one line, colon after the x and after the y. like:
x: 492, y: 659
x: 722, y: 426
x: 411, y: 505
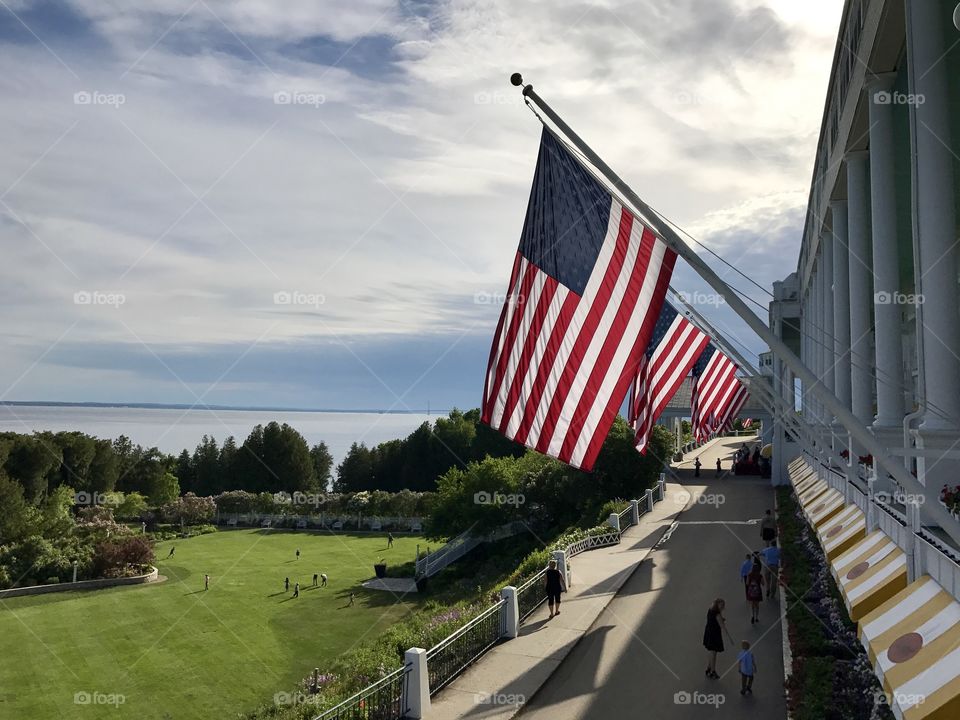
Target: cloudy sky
x: 316, y: 204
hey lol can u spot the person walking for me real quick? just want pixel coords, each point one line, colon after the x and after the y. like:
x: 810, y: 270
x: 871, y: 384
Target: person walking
x: 696, y: 467
x: 713, y: 636
x: 719, y: 467
x: 286, y: 584
x: 296, y: 590
x: 748, y: 667
x: 556, y: 584
x: 771, y: 561
x: 389, y: 540
x: 173, y: 549
x: 314, y: 579
x: 745, y: 568
x: 206, y: 582
x: 323, y: 579
x: 350, y: 604
x: 754, y: 591
x: 768, y: 527
x: 298, y: 553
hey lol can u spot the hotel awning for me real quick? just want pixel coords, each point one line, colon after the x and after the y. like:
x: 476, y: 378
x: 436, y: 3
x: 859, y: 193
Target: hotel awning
x: 812, y: 493
x: 870, y: 573
x: 913, y: 640
x: 822, y: 508
x: 842, y: 531
x: 805, y: 483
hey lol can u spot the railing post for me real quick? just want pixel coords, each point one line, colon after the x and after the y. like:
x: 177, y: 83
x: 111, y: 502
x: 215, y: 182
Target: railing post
x: 561, y: 557
x: 649, y: 498
x: 511, y: 612
x: 635, y: 511
x: 662, y: 483
x: 614, y: 521
x: 418, y: 683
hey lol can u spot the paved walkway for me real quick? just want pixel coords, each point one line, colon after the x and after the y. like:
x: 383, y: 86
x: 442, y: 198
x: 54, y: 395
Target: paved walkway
x: 628, y: 639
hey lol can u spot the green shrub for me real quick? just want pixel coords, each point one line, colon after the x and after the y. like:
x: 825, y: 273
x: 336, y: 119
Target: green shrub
x: 610, y: 507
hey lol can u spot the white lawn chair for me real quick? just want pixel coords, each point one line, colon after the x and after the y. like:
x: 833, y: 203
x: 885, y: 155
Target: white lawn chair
x: 376, y: 525
x: 266, y: 523
x: 301, y: 523
x: 338, y: 525
x: 232, y: 522
x: 416, y: 527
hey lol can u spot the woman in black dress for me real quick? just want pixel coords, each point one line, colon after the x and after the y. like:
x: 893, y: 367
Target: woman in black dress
x: 713, y: 636
x: 556, y: 584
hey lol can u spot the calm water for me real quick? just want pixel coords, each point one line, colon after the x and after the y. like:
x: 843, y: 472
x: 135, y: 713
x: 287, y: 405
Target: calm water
x: 174, y: 430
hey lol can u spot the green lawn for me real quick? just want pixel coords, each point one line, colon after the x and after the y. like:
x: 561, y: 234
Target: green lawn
x: 174, y: 651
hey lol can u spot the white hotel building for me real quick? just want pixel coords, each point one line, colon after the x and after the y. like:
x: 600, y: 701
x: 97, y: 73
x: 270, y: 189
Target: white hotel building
x: 873, y: 310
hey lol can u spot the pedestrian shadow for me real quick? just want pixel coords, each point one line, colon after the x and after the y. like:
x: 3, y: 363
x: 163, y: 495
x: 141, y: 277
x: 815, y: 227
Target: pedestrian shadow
x: 194, y: 592
x: 282, y: 592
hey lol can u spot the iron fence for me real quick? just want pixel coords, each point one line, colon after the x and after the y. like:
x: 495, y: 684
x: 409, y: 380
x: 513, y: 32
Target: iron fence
x: 386, y: 699
x: 626, y: 518
x: 531, y: 594
x: 448, y: 659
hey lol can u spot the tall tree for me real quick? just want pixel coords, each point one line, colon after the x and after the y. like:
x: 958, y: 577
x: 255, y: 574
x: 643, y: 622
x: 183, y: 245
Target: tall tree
x: 322, y: 464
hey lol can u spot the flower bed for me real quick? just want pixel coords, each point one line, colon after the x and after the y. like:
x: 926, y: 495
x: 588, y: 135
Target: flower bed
x: 831, y: 677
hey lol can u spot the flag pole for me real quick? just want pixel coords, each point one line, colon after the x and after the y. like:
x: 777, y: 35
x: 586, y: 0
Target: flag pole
x: 669, y: 236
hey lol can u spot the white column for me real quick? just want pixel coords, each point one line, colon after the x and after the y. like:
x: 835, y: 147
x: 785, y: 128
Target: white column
x: 936, y: 228
x: 829, y: 358
x: 858, y: 238
x: 886, y: 272
x: 841, y: 300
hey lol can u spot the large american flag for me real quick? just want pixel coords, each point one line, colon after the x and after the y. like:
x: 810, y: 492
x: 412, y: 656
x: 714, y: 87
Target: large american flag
x: 675, y: 346
x: 587, y: 285
x: 716, y: 390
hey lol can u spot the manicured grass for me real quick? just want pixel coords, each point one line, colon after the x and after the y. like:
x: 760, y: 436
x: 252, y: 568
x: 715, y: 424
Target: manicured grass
x: 173, y: 650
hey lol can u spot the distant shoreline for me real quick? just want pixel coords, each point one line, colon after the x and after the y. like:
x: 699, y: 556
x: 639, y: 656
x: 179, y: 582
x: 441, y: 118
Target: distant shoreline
x: 204, y: 406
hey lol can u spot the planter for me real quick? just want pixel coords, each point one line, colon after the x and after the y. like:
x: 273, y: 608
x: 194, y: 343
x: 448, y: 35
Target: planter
x: 380, y: 569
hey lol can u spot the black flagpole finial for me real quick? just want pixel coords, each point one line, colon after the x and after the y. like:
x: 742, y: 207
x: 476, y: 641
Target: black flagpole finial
x: 516, y: 79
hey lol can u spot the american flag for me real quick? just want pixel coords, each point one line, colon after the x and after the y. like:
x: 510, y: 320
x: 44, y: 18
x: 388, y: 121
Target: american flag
x: 715, y: 388
x: 747, y: 423
x: 733, y: 409
x: 674, y: 347
x: 586, y: 289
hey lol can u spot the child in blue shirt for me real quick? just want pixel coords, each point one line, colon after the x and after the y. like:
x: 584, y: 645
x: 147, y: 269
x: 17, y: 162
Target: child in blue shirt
x: 748, y: 666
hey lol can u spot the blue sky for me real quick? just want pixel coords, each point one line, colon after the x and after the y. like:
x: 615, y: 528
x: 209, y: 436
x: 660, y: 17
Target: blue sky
x: 317, y: 204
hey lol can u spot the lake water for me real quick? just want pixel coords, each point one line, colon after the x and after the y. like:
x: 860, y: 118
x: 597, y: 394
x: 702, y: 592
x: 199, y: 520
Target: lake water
x: 174, y: 430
